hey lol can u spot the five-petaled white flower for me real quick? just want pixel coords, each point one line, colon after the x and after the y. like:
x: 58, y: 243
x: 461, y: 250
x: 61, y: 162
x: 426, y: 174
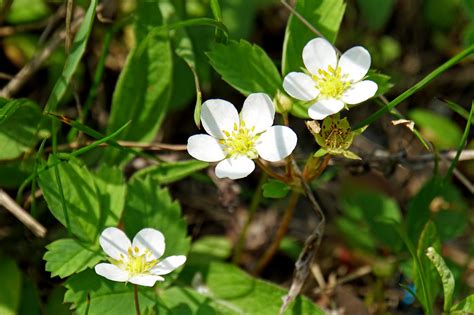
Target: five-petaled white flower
x: 235, y: 141
x: 331, y: 83
x: 137, y: 262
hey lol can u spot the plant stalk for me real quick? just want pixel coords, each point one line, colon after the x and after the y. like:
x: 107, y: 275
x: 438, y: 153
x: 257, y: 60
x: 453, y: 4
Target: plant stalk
x: 135, y: 296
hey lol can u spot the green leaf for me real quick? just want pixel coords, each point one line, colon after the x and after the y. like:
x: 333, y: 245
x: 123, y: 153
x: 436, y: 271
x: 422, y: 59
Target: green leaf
x: 464, y: 307
x: 18, y: 128
x: 441, y: 202
x: 324, y: 15
x: 369, y: 209
x: 92, y: 201
x: 77, y: 50
x: 275, y: 189
x: 143, y: 89
x: 93, y: 295
x: 165, y: 173
x: 429, y: 237
x: 30, y: 299
x: 447, y: 278
x: 376, y: 13
x: 210, y: 248
x: 81, y: 197
x: 232, y: 291
x: 25, y: 11
x: 443, y: 132
x: 250, y: 71
x: 149, y: 206
x: 67, y: 256
x: 10, y: 290
x: 111, y: 191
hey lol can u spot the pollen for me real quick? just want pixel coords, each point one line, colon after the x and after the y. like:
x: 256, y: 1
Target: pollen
x: 331, y: 83
x: 136, y: 263
x: 240, y: 141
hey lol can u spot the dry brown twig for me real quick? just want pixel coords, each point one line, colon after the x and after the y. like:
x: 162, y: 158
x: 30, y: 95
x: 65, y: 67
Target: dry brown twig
x: 35, y: 63
x: 34, y: 226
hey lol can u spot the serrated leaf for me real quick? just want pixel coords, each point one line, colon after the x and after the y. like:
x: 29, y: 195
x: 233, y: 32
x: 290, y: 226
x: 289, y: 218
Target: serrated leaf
x: 143, y: 89
x: 149, y: 206
x: 165, y: 173
x: 10, y: 290
x: 81, y: 197
x: 275, y: 189
x: 324, y: 15
x: 18, y: 128
x: 111, y: 189
x: 91, y: 201
x: 429, y: 237
x: 93, y: 295
x: 232, y: 291
x: 68, y: 256
x: 245, y: 67
x: 447, y: 278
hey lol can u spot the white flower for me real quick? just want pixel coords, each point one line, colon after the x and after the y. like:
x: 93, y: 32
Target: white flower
x: 235, y: 141
x: 331, y: 83
x: 137, y: 262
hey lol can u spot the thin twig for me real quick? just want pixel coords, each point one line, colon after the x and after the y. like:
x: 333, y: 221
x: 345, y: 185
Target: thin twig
x: 301, y: 18
x: 34, y: 226
x: 126, y: 144
x: 281, y: 232
x: 307, y: 255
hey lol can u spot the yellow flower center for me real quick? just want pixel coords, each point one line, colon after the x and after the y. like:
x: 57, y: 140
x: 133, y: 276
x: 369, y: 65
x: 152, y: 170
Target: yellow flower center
x: 331, y: 83
x: 136, y: 263
x: 240, y: 141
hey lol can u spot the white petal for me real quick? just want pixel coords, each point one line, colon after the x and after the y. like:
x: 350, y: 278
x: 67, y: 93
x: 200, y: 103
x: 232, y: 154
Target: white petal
x: 319, y: 54
x: 168, y: 264
x: 323, y: 108
x: 301, y: 86
x: 258, y: 111
x: 359, y: 92
x: 111, y: 272
x: 205, y: 148
x: 276, y: 143
x: 115, y: 243
x: 151, y: 239
x: 218, y: 115
x: 235, y: 168
x: 145, y: 280
x: 355, y: 63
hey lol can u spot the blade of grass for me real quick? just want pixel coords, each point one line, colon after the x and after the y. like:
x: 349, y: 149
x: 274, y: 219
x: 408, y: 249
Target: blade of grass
x: 77, y: 50
x: 461, y: 145
x: 418, y: 86
x: 457, y: 109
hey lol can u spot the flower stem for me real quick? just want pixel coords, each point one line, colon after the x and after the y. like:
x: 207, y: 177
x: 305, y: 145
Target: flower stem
x: 135, y: 296
x: 282, y: 229
x: 270, y: 172
x: 257, y: 196
x: 309, y: 173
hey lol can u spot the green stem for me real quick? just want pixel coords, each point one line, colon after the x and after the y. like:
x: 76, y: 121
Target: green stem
x: 135, y: 297
x: 418, y: 86
x: 257, y: 196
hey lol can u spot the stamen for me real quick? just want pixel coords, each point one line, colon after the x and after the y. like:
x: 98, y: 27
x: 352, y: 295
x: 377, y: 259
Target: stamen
x: 331, y: 83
